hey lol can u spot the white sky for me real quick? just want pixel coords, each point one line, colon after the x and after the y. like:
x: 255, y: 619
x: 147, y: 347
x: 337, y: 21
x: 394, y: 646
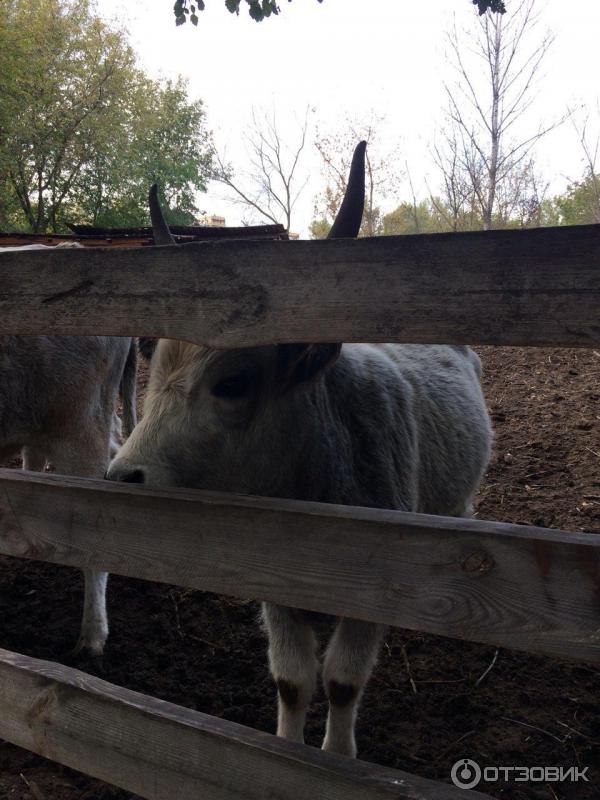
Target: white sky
x: 350, y: 57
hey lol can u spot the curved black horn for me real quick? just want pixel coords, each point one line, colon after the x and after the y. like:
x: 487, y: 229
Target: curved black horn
x: 160, y: 229
x: 349, y: 217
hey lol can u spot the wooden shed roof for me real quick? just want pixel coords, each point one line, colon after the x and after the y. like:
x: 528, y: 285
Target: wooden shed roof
x: 91, y: 236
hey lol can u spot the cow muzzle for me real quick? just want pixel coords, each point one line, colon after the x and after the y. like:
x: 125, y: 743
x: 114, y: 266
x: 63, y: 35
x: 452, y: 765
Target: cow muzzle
x: 125, y: 473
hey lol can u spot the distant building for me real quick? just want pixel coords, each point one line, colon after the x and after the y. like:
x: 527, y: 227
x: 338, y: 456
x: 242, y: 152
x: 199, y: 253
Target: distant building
x: 293, y: 236
x: 212, y: 221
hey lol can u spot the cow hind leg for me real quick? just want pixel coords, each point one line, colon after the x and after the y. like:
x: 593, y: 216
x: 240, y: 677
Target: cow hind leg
x: 293, y: 663
x: 94, y: 628
x: 89, y: 459
x: 34, y: 459
x: 349, y: 661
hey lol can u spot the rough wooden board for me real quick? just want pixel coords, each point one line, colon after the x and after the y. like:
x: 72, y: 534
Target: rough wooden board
x: 516, y: 287
x: 162, y: 751
x: 508, y: 585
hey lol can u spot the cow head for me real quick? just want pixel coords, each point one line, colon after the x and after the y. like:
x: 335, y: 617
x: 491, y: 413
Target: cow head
x: 224, y: 419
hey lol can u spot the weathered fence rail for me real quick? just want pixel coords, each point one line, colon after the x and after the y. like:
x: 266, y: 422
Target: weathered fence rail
x: 509, y: 585
x: 165, y: 752
x: 532, y: 287
x: 515, y: 586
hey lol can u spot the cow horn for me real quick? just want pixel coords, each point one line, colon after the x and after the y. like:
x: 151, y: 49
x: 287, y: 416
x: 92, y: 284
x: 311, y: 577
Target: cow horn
x: 349, y: 216
x: 160, y: 229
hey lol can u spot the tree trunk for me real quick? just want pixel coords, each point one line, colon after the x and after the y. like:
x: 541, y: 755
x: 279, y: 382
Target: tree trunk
x: 495, y: 133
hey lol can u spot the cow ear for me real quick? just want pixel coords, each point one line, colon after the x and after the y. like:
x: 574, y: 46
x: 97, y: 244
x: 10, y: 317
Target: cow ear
x: 298, y: 363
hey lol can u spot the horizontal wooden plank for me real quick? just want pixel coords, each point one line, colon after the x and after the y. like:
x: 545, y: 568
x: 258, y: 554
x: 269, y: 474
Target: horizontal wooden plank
x: 518, y: 287
x: 508, y: 585
x: 162, y: 751
x: 199, y: 231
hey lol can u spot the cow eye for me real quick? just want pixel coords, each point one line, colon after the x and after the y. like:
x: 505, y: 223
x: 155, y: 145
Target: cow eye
x: 234, y: 386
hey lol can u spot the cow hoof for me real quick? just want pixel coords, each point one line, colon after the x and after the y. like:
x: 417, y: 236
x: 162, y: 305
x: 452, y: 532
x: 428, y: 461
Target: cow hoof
x: 83, y: 657
x: 88, y: 649
x: 342, y: 748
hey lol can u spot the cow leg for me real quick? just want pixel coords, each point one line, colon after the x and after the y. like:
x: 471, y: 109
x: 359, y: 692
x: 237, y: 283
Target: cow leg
x: 34, y: 459
x: 94, y: 627
x: 89, y: 459
x: 294, y: 666
x: 116, y: 435
x: 94, y: 622
x: 349, y: 661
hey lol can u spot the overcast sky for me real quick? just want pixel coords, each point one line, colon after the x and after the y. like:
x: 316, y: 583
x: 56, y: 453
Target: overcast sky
x: 351, y: 57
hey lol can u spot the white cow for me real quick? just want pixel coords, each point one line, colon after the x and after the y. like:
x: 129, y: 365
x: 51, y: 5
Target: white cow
x: 392, y: 426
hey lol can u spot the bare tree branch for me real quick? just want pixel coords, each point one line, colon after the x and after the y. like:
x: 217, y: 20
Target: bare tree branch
x: 382, y: 171
x: 484, y: 106
x: 590, y: 148
x: 269, y: 185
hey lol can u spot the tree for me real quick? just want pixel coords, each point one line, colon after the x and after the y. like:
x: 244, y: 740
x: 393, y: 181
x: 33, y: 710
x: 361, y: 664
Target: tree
x: 164, y: 140
x: 522, y: 198
x: 581, y: 202
x: 455, y: 201
x: 382, y: 174
x: 481, y: 159
x: 257, y: 9
x: 70, y: 69
x: 82, y: 127
x: 271, y: 182
x: 12, y: 66
x: 579, y: 205
x: 414, y: 217
x: 262, y: 9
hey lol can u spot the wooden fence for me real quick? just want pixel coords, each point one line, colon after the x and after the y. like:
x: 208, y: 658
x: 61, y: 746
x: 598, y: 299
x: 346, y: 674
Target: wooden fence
x: 528, y: 588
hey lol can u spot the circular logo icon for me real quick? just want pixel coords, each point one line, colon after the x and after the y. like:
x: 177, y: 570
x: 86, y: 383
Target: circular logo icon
x: 466, y: 774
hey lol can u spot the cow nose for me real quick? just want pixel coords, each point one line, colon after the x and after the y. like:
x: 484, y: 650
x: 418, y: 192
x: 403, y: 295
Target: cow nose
x: 125, y: 474
x: 132, y: 476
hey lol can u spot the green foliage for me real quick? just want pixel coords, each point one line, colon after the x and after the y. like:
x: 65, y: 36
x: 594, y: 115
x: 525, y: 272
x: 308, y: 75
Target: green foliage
x: 424, y: 216
x: 181, y: 11
x: 83, y: 132
x: 580, y: 204
x: 319, y: 228
x: 163, y: 142
x: 261, y: 9
x: 420, y: 217
x: 495, y: 6
x: 257, y: 9
x: 434, y: 216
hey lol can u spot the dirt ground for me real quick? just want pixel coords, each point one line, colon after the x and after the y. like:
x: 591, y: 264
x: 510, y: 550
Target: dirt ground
x: 427, y: 705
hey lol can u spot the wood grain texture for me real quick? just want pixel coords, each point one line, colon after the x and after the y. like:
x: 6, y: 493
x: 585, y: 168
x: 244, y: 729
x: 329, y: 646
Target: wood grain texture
x: 162, y: 751
x: 507, y: 585
x: 516, y: 287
